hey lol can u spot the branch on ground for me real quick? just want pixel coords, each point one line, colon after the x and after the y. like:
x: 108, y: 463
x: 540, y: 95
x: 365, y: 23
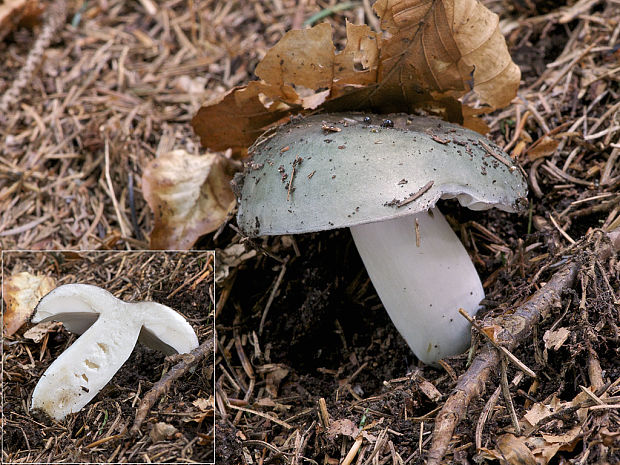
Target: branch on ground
x: 162, y: 386
x: 516, y: 327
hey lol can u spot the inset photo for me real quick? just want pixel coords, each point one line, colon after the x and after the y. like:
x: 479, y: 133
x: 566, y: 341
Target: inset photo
x: 107, y: 356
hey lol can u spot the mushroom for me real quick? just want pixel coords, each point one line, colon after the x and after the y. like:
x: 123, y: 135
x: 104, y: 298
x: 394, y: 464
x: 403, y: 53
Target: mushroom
x: 381, y: 176
x: 110, y: 329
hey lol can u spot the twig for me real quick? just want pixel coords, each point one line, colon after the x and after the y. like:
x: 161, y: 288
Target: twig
x: 509, y: 355
x: 323, y: 414
x: 353, y: 451
x: 417, y: 195
x: 490, y: 405
x: 110, y: 186
x: 272, y: 295
x: 507, y: 397
x: 161, y: 387
x: 515, y: 328
x: 262, y: 415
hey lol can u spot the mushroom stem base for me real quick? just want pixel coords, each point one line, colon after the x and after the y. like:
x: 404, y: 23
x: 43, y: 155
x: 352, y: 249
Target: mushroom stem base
x: 422, y: 287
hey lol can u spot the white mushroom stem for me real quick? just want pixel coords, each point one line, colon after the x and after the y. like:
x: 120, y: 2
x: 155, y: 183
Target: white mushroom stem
x: 422, y: 288
x: 82, y: 370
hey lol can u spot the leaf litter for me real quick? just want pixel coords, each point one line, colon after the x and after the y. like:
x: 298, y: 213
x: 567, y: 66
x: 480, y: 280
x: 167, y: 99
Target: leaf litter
x: 432, y: 54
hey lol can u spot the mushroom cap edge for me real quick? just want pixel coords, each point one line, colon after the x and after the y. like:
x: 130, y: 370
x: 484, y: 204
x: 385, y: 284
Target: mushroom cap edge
x: 330, y: 171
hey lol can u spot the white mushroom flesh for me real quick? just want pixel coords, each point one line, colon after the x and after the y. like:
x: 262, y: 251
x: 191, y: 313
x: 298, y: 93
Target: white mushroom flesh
x: 81, y: 371
x: 422, y: 287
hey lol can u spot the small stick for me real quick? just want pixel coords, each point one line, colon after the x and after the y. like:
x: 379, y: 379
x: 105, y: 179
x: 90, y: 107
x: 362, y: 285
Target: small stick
x: 417, y: 195
x: 420, y: 438
x: 497, y: 156
x: 262, y: 415
x: 485, y: 415
x: 290, y: 185
x: 508, y: 397
x: 272, y: 296
x: 591, y: 395
x: 161, y: 387
x: 353, y: 451
x: 324, y: 415
x: 562, y: 232
x: 519, y: 364
x: 111, y: 193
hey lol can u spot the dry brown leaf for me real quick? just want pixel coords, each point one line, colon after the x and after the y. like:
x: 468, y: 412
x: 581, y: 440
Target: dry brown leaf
x: 436, y: 52
x: 491, y: 331
x: 358, y: 64
x: 274, y: 374
x: 344, y: 427
x: 545, y: 447
x: 567, y: 440
x: 231, y: 257
x: 429, y: 390
x: 204, y: 404
x: 302, y: 57
x: 536, y: 413
x: 14, y: 12
x: 238, y: 117
x: 543, y: 451
x: 189, y: 195
x: 38, y: 332
x: 545, y: 147
x: 22, y: 292
x: 162, y: 431
x: 610, y: 438
x: 555, y: 339
x: 447, y: 47
x: 514, y: 451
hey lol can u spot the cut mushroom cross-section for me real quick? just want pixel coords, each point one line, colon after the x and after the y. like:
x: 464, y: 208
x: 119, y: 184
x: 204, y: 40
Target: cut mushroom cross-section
x: 110, y: 330
x: 382, y: 176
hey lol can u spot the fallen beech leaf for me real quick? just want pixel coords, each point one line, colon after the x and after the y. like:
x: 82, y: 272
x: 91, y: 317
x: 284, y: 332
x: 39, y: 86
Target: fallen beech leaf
x: 610, y: 438
x: 448, y: 47
x: 536, y: 413
x: 567, y: 440
x: 274, y: 374
x: 543, y: 451
x: 14, y: 12
x: 204, y: 404
x: 357, y: 65
x: 206, y: 407
x: 304, y: 57
x: 189, y: 195
x: 436, y: 52
x: 429, y: 390
x: 555, y: 339
x: 231, y: 257
x: 491, y: 331
x: 545, y: 447
x: 369, y: 437
x: 265, y: 402
x: 238, y: 117
x: 38, y: 332
x: 161, y: 431
x: 545, y: 147
x: 514, y: 451
x: 343, y: 427
x: 22, y: 293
